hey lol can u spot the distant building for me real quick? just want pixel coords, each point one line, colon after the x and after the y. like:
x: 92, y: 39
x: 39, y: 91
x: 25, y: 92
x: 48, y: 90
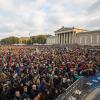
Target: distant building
x: 89, y: 38
x: 75, y: 36
x: 23, y: 40
x: 51, y: 40
x: 67, y: 35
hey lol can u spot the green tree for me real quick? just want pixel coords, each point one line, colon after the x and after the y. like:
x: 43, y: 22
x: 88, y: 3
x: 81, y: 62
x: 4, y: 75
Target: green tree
x: 41, y: 39
x: 33, y: 39
x: 10, y: 40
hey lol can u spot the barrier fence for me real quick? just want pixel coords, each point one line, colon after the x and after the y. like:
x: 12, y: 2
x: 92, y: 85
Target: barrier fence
x: 81, y: 88
x: 75, y: 87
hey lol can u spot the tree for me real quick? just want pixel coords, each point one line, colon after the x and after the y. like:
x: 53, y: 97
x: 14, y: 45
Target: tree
x: 10, y: 40
x: 33, y: 39
x: 41, y: 39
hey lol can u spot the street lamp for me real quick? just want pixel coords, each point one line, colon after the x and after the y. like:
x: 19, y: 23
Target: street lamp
x: 30, y: 37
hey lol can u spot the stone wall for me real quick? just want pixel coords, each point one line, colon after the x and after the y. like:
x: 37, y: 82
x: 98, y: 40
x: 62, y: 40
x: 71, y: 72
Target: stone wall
x: 88, y: 38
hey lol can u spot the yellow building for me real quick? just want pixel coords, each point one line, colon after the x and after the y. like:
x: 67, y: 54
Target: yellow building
x: 23, y: 39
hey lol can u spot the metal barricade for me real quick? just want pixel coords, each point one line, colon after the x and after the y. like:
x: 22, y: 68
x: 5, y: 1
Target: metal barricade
x: 71, y: 89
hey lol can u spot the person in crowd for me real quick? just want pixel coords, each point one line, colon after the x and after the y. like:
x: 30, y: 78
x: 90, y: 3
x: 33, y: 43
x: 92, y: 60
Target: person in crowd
x: 17, y: 95
x: 43, y: 72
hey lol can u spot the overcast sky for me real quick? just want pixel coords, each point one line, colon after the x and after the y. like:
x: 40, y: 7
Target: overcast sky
x: 19, y: 17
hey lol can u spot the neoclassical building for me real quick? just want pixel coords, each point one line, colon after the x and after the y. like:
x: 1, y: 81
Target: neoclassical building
x: 75, y: 36
x: 88, y: 38
x: 67, y: 35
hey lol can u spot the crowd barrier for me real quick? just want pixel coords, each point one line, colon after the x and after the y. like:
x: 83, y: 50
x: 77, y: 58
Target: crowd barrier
x: 81, y: 88
x: 69, y: 91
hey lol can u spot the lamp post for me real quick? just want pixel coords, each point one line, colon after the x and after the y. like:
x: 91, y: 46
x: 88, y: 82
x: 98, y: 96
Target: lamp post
x: 30, y: 37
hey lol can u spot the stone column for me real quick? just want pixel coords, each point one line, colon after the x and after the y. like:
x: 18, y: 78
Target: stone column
x: 85, y: 40
x: 73, y: 38
x: 57, y: 38
x: 69, y: 37
x: 97, y: 39
x: 80, y: 39
x: 60, y: 38
x: 63, y: 38
x: 56, y: 41
x: 66, y: 38
x: 91, y: 39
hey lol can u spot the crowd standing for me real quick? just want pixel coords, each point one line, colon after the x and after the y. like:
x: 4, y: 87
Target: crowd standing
x: 43, y: 72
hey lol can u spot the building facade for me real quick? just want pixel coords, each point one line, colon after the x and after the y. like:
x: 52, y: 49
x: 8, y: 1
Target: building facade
x: 67, y: 35
x: 23, y: 39
x: 89, y: 38
x: 75, y: 36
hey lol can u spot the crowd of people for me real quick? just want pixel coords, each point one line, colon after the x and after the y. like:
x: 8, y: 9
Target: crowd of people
x: 43, y: 72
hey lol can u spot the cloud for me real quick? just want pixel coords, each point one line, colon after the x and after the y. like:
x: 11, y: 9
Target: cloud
x: 19, y: 17
x: 94, y: 8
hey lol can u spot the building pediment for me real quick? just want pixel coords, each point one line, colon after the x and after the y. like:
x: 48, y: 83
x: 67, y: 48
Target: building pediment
x: 63, y: 29
x: 69, y: 29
